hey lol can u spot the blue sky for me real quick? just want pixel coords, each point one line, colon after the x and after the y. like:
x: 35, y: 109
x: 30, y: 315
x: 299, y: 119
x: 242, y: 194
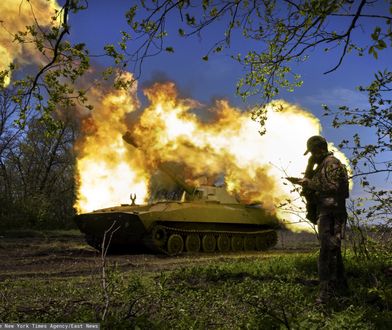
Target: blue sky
x: 204, y: 81
x: 104, y: 20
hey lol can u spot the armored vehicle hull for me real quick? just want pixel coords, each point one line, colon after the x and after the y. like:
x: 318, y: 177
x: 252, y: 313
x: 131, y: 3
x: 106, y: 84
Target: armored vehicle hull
x: 187, y: 218
x: 174, y: 227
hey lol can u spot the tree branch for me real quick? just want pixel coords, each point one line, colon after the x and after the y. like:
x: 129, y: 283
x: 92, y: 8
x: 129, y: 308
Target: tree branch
x: 347, y: 36
x: 65, y: 31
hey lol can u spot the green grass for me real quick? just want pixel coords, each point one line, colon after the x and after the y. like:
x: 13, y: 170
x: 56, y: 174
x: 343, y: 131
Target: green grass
x: 277, y: 292
x: 32, y: 233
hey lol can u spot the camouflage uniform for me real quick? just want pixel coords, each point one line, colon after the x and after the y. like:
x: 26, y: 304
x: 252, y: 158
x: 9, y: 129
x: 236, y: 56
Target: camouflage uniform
x: 329, y: 183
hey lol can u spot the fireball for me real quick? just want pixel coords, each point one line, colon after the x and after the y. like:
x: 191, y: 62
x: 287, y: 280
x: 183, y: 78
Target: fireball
x: 229, y: 146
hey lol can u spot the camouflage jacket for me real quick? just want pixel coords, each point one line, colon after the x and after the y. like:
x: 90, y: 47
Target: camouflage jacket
x: 329, y: 183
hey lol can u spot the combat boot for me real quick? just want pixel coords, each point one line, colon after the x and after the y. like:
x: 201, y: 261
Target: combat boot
x: 325, y: 293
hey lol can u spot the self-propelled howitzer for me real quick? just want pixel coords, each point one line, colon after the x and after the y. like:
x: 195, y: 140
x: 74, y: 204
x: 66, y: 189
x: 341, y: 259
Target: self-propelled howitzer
x: 191, y: 218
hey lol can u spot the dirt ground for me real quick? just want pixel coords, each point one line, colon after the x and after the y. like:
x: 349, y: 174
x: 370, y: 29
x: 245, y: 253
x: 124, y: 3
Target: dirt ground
x: 66, y: 254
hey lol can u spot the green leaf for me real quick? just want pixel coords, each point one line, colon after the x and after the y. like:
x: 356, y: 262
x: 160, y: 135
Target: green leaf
x: 376, y: 33
x: 382, y: 44
x: 214, y: 12
x: 191, y: 20
x: 130, y: 14
x: 373, y: 52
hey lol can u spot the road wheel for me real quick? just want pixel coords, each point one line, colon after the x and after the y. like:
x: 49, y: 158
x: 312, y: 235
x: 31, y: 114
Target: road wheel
x: 261, y: 243
x: 159, y: 236
x: 209, y: 243
x: 192, y: 243
x: 237, y: 243
x: 223, y: 243
x: 272, y: 239
x: 249, y: 243
x: 175, y: 244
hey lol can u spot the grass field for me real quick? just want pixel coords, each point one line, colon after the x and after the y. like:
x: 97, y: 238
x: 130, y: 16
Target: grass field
x: 55, y: 277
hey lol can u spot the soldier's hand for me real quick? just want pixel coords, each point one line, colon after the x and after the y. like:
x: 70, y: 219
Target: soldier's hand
x: 311, y: 161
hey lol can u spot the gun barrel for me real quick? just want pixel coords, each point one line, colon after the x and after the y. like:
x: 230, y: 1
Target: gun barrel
x: 127, y: 137
x: 167, y: 170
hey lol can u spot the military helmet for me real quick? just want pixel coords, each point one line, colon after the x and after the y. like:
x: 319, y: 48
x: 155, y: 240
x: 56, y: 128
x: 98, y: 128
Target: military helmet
x: 315, y: 142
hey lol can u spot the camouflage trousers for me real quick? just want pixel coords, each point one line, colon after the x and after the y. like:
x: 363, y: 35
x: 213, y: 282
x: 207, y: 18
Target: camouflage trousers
x: 330, y: 264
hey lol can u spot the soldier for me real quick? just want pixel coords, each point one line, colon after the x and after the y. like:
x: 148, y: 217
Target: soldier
x: 327, y: 187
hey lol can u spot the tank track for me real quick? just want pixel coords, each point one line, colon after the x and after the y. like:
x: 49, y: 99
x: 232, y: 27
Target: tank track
x: 263, y: 239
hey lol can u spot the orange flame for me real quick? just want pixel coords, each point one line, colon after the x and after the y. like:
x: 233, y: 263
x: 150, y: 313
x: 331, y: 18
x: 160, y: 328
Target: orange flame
x: 168, y: 130
x: 107, y: 170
